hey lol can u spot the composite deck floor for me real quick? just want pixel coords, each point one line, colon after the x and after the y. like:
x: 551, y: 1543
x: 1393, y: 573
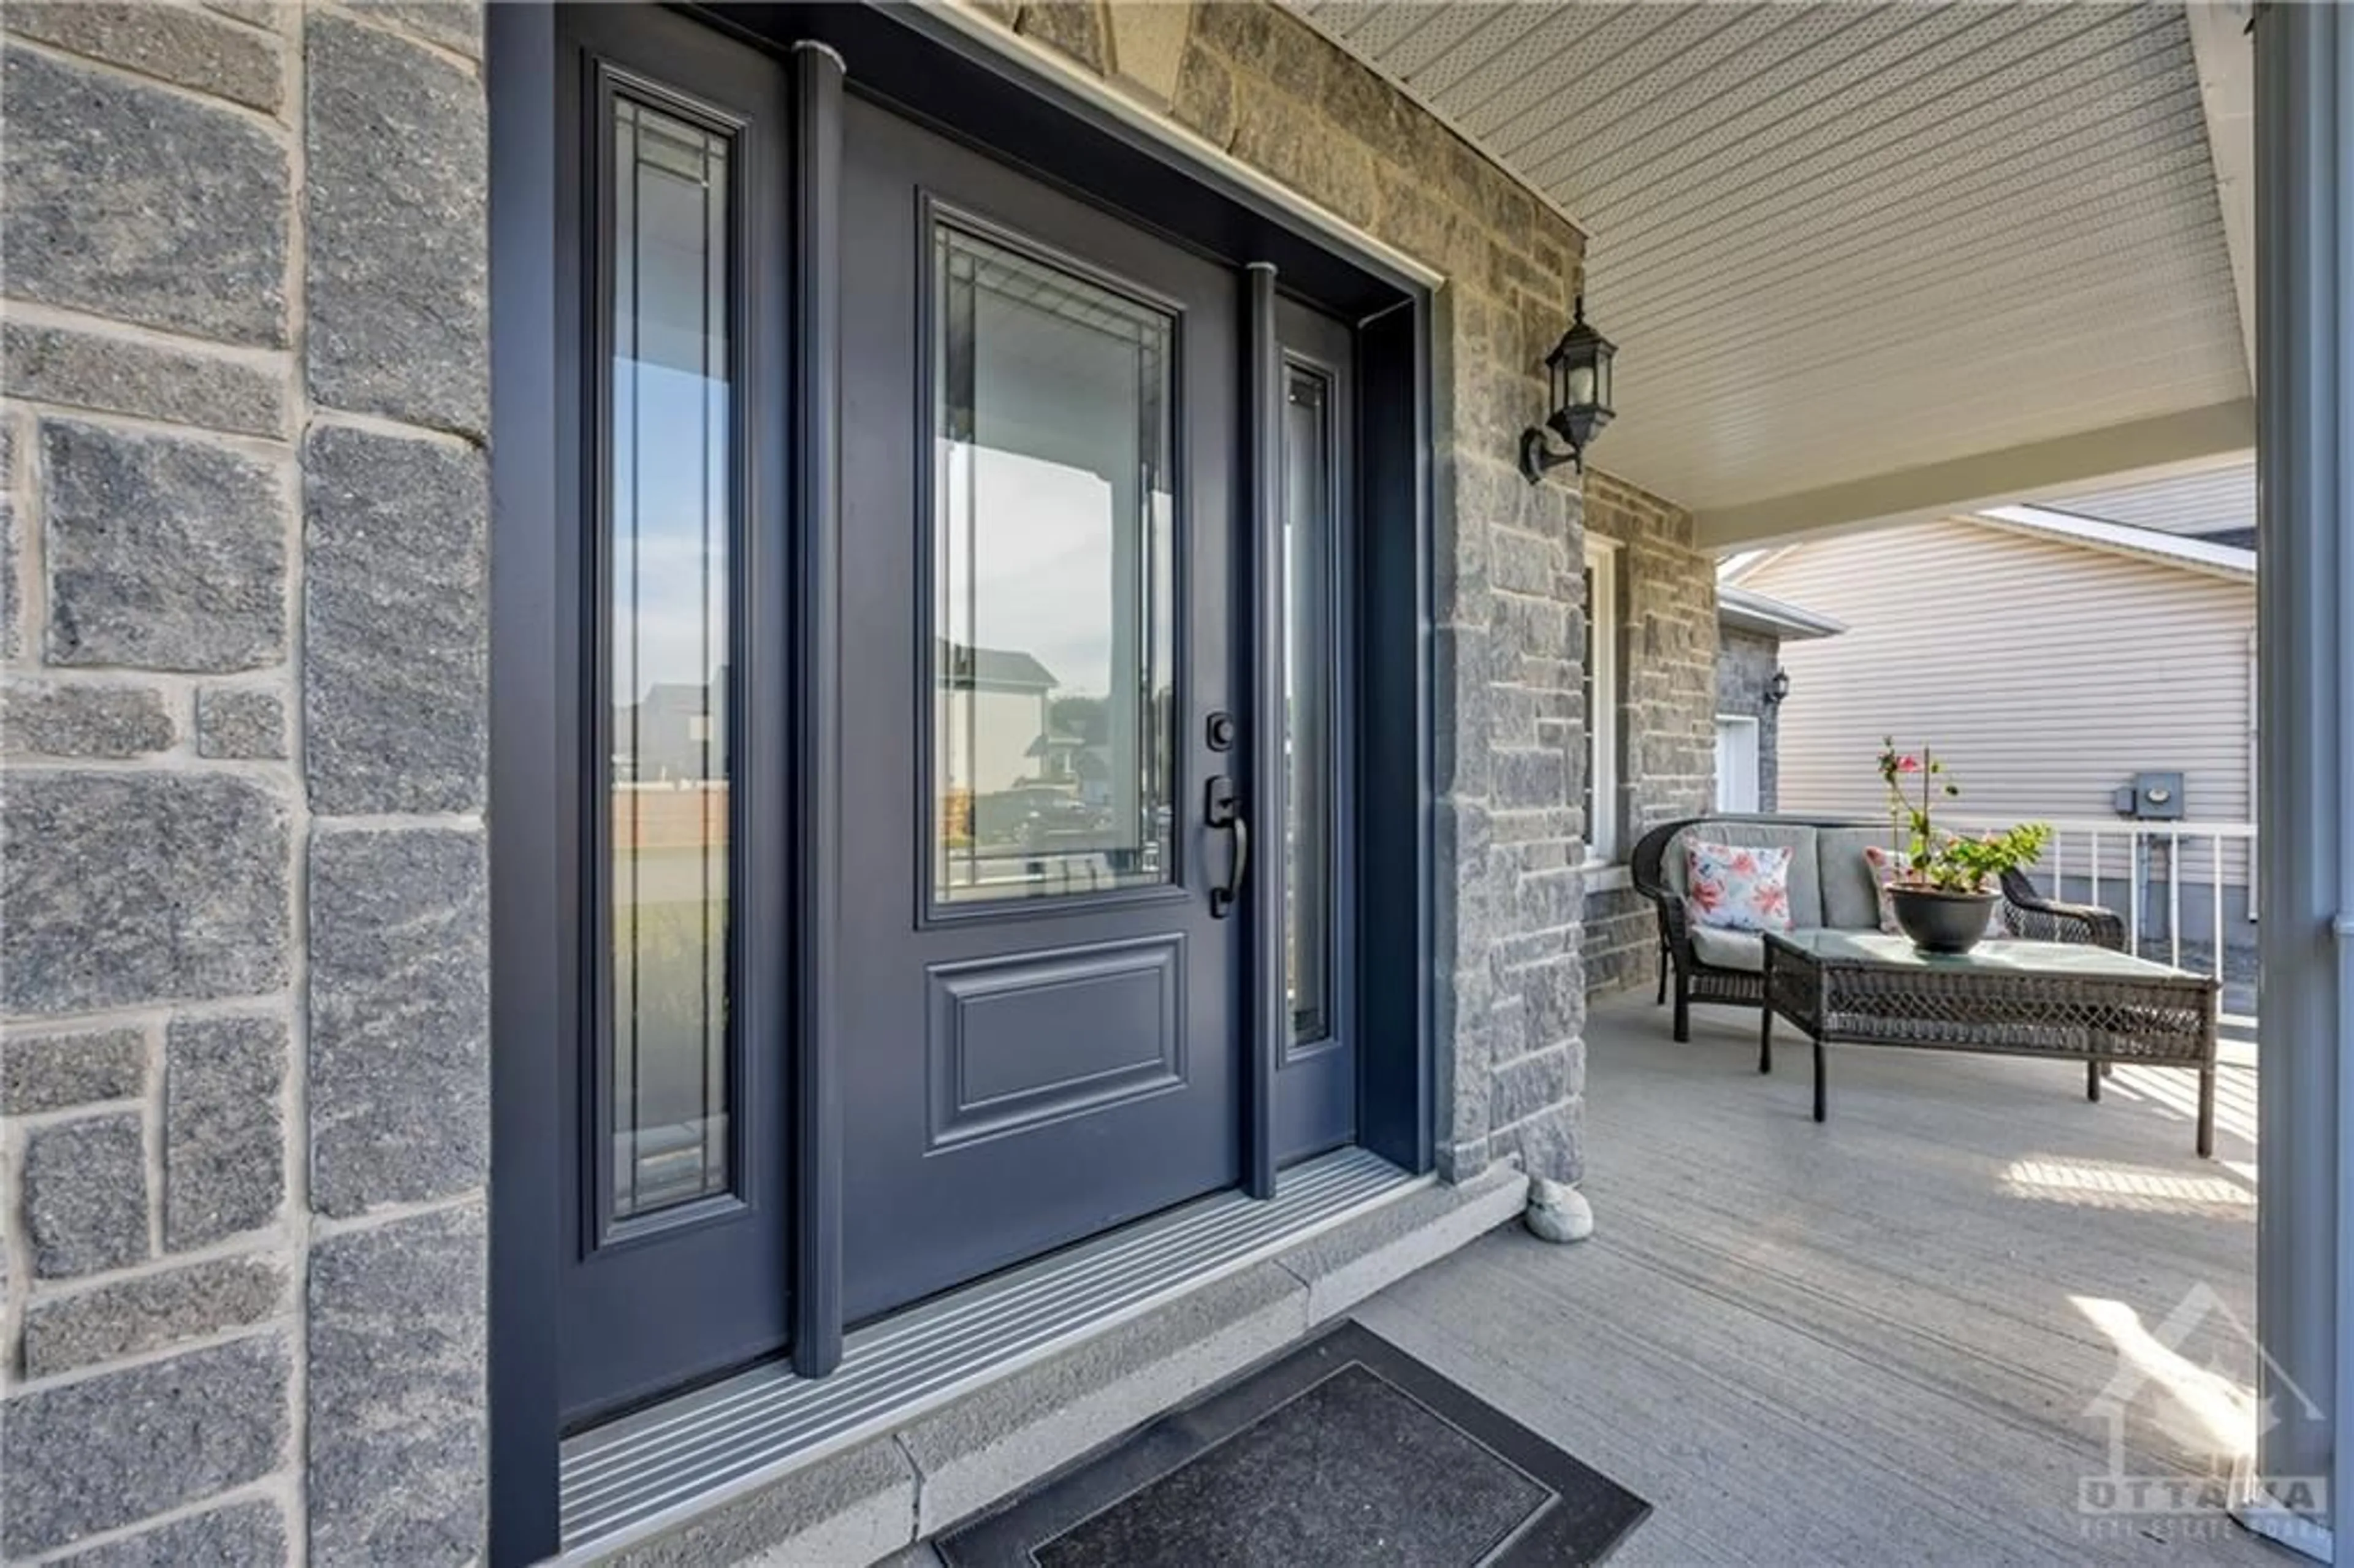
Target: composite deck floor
x: 1903, y: 1337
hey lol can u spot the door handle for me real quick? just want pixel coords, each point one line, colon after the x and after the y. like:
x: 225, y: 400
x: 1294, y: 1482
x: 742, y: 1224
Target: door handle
x: 1221, y: 808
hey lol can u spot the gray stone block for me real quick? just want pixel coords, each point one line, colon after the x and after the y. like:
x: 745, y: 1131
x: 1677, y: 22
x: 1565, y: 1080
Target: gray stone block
x: 240, y: 722
x: 122, y: 1447
x: 224, y: 1136
x: 1529, y: 1083
x: 1550, y: 1144
x: 138, y: 203
x: 853, y: 1508
x: 1556, y: 993
x: 245, y: 1535
x: 128, y: 888
x: 398, y: 1449
x: 164, y: 552
x: 147, y: 1313
x: 11, y: 603
x: 400, y: 1090
x: 43, y: 718
x: 169, y: 42
x: 396, y: 189
x: 453, y: 23
x: 50, y: 1071
x: 983, y: 1447
x: 1205, y: 100
x: 1073, y: 26
x: 1529, y: 778
x: 85, y: 1194
x: 124, y: 375
x: 11, y: 594
x: 396, y: 623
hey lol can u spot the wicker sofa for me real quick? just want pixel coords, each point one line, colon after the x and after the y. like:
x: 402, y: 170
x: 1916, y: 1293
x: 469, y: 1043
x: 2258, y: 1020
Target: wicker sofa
x: 1830, y: 886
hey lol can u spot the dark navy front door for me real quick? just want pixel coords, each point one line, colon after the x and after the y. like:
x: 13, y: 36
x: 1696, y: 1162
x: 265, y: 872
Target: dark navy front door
x: 1041, y: 1014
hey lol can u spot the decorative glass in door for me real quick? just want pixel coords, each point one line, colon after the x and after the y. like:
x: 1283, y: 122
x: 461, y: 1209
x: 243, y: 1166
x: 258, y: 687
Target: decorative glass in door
x: 1052, y: 696
x: 669, y: 513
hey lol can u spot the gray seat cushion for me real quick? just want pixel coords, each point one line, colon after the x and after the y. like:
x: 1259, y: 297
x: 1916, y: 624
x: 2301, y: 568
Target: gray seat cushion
x: 1729, y: 950
x: 1806, y: 875
x: 1850, y: 902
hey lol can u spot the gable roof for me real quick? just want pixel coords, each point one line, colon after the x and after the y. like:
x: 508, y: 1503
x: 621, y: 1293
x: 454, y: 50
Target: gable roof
x: 1003, y: 668
x: 2206, y: 556
x: 2207, y: 502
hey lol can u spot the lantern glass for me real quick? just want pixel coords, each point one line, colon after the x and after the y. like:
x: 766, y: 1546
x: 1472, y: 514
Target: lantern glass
x: 1602, y: 357
x: 1580, y: 388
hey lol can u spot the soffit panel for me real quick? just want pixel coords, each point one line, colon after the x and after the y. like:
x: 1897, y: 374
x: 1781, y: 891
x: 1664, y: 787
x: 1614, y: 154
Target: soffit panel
x: 1836, y: 240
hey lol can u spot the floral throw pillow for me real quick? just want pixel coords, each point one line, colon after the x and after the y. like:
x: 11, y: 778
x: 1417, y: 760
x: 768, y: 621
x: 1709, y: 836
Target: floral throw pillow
x: 1735, y: 888
x: 1887, y: 865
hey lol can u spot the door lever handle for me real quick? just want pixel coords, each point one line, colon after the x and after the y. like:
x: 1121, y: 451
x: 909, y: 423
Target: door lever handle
x: 1221, y: 808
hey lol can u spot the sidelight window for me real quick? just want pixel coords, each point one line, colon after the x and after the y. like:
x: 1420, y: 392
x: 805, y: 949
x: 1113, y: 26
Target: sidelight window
x: 1310, y: 660
x: 669, y: 507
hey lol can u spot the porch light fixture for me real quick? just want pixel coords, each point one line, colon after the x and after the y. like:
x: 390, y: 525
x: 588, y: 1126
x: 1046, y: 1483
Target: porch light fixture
x: 1578, y: 375
x: 1778, y: 687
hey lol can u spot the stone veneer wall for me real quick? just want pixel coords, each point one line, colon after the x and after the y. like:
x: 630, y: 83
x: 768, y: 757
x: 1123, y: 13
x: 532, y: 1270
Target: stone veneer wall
x: 1667, y: 707
x: 244, y: 962
x: 1746, y: 662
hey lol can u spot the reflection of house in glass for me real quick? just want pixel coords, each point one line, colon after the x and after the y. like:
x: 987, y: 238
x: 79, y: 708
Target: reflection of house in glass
x: 994, y: 724
x: 677, y: 731
x: 1025, y: 778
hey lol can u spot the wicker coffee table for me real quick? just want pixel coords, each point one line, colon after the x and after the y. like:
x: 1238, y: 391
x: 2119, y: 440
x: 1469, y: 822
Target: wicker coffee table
x: 2065, y: 1000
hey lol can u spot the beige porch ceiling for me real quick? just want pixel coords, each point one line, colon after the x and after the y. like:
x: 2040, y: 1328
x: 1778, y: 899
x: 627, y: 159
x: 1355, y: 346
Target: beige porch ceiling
x: 1865, y: 261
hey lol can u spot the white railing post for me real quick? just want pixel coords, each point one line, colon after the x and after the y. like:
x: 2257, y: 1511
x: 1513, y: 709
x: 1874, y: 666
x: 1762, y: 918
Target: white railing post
x: 2215, y: 891
x: 2174, y: 897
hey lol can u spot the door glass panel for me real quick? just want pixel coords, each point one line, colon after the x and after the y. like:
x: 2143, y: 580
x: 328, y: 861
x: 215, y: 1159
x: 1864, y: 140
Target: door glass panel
x: 1052, y: 599
x: 1308, y: 660
x: 671, y: 507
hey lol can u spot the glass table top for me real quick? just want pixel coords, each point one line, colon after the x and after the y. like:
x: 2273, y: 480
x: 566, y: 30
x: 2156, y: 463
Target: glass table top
x: 1995, y: 955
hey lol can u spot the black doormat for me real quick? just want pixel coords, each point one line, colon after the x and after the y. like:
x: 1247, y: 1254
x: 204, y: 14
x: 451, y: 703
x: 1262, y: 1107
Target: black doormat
x: 1344, y: 1453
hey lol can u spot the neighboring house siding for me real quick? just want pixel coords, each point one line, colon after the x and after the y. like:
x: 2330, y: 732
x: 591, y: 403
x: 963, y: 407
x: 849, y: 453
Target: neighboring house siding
x: 1667, y: 708
x: 2045, y: 673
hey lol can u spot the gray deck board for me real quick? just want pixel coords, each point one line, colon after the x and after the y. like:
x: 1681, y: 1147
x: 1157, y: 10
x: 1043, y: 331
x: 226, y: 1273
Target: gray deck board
x: 1878, y: 1340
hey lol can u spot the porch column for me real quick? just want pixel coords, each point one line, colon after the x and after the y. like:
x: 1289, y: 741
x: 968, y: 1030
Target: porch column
x: 2305, y: 619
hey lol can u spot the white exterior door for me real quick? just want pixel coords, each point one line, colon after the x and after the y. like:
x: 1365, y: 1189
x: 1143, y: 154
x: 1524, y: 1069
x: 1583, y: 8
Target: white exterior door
x: 1736, y: 763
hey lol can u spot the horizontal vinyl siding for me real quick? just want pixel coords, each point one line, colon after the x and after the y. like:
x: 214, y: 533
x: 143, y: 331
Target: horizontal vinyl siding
x: 2045, y: 675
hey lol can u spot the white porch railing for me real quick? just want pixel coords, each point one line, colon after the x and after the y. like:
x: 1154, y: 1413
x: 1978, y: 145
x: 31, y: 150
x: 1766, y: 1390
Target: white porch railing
x: 2187, y: 892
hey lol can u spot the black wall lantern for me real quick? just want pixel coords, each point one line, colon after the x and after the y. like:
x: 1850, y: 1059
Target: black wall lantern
x: 1577, y: 375
x: 1778, y: 688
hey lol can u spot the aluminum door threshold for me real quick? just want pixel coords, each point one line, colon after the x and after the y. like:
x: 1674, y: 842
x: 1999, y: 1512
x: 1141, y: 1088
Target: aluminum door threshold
x: 643, y: 1474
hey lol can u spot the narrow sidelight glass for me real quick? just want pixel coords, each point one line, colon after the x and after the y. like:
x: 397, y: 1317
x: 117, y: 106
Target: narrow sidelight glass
x: 1309, y: 659
x: 670, y: 505
x: 1054, y: 598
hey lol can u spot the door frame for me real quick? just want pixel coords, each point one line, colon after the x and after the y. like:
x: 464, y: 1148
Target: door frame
x: 1053, y: 121
x: 1754, y: 725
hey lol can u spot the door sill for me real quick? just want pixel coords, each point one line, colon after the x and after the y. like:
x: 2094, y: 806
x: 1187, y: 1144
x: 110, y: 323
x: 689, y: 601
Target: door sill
x: 648, y: 1472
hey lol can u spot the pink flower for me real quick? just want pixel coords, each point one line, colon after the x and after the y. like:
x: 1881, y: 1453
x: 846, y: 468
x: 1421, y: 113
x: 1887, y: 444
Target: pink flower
x: 1908, y: 765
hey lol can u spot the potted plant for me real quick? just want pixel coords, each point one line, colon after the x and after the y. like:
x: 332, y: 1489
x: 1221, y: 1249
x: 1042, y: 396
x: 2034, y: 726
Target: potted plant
x: 1944, y: 889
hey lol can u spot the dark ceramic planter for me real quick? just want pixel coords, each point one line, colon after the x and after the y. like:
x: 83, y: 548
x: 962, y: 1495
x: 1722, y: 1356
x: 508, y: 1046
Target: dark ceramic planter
x: 1942, y: 922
